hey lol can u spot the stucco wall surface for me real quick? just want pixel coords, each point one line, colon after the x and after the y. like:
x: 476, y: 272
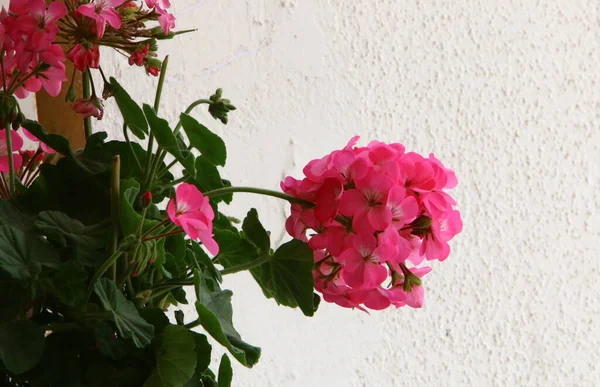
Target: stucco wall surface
x: 505, y: 92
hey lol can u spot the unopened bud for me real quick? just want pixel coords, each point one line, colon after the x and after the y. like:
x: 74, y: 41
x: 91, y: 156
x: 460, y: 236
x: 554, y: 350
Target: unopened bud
x: 18, y: 121
x: 71, y: 94
x: 146, y: 199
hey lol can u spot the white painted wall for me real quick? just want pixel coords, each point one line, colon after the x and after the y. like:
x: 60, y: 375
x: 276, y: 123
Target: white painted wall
x: 505, y: 92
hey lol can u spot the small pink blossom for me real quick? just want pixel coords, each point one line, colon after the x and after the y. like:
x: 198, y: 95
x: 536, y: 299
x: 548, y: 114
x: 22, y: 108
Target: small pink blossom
x: 91, y: 107
x: 42, y: 145
x: 84, y: 57
x: 192, y: 212
x: 102, y: 11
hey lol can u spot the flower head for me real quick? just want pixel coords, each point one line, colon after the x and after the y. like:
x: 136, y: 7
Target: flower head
x: 377, y: 209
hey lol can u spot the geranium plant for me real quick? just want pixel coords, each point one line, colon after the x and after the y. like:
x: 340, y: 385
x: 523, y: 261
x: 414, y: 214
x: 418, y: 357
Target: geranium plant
x: 98, y: 245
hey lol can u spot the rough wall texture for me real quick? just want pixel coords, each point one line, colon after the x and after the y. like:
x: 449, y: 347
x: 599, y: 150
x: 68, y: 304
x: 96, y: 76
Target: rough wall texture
x: 505, y: 92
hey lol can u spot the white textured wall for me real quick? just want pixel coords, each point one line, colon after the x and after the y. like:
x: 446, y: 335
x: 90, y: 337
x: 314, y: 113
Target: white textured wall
x: 505, y: 92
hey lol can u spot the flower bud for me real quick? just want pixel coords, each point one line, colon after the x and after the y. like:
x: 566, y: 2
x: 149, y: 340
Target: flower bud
x: 146, y: 199
x: 9, y: 108
x: 71, y: 94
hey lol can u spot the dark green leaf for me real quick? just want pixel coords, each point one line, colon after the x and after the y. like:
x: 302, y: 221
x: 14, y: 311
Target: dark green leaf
x: 23, y: 255
x: 69, y: 282
x: 288, y: 276
x: 109, y: 344
x: 132, y: 114
x: 234, y: 249
x: 61, y: 228
x: 55, y: 141
x: 175, y: 358
x: 179, y: 295
x: 179, y: 317
x: 166, y: 139
x: 130, y: 219
x: 10, y: 215
x: 21, y: 345
x: 215, y: 314
x: 156, y: 317
x: 208, y: 179
x: 201, y: 138
x: 255, y: 231
x: 125, y: 315
x: 225, y: 372
x: 203, y: 259
x: 203, y: 351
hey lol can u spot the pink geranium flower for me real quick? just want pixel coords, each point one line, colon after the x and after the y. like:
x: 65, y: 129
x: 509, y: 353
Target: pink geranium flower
x: 83, y: 56
x: 192, y: 212
x: 102, y: 11
x: 409, y: 294
x: 42, y: 145
x: 435, y: 243
x: 363, y: 262
x: 92, y: 107
x: 366, y: 203
x: 17, y: 144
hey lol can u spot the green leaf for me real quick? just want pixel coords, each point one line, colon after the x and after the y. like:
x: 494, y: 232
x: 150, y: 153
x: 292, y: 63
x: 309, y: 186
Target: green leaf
x: 203, y: 351
x: 288, y: 276
x: 21, y: 345
x: 132, y: 114
x: 125, y: 315
x: 55, y: 141
x: 215, y: 314
x: 130, y: 219
x: 61, y: 228
x: 10, y: 215
x: 201, y: 138
x: 208, y: 179
x: 156, y: 317
x: 175, y: 358
x: 234, y: 249
x: 166, y: 139
x: 69, y: 282
x: 23, y: 255
x: 255, y: 231
x: 225, y: 372
x: 203, y: 258
x: 109, y: 344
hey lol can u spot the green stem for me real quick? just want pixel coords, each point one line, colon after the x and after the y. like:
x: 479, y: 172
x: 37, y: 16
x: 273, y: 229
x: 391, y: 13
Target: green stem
x: 189, y: 110
x: 87, y: 93
x: 135, y: 157
x: 260, y: 191
x: 100, y: 272
x: 148, y: 178
x: 177, y: 129
x: 247, y: 266
x: 11, y: 161
x: 175, y: 182
x: 193, y: 324
x: 161, y: 82
x: 163, y: 235
x: 114, y: 208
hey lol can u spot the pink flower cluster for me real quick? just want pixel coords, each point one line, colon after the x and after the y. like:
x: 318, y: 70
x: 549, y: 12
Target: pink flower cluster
x: 378, y: 213
x: 191, y: 211
x: 31, y: 59
x: 165, y: 19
